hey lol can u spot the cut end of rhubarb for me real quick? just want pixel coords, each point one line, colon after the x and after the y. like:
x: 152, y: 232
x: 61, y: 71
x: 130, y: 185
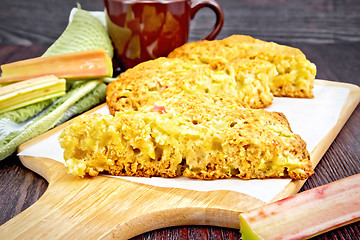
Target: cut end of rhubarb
x: 247, y: 233
x: 71, y: 66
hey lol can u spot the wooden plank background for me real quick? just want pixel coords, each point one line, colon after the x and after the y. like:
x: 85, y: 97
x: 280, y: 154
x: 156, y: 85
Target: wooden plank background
x: 328, y: 32
x: 40, y: 22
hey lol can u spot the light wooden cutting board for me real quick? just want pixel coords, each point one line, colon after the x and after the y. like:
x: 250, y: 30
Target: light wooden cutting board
x: 107, y: 208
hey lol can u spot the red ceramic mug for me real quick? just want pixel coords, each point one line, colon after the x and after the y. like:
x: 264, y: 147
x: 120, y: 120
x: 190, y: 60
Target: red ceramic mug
x: 146, y: 29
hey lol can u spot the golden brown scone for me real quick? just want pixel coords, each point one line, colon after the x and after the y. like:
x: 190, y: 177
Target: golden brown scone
x: 246, y: 81
x: 195, y: 136
x: 192, y: 114
x: 295, y: 74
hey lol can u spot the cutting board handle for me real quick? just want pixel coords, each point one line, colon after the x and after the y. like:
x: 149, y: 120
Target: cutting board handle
x: 104, y: 207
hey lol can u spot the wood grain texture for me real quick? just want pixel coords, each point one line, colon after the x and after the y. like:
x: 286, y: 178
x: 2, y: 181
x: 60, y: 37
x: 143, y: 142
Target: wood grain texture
x: 323, y: 21
x: 328, y: 32
x: 88, y: 208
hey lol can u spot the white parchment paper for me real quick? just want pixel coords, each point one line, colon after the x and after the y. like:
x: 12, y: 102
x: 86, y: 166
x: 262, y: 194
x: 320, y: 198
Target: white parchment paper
x: 312, y: 119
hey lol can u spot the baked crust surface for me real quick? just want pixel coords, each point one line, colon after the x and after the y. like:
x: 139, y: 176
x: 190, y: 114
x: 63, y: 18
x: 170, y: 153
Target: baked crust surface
x: 245, y: 80
x: 194, y: 136
x: 295, y: 74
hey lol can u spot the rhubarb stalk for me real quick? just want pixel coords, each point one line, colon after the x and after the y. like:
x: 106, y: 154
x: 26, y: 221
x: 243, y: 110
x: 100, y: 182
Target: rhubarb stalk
x: 31, y: 91
x: 306, y: 214
x: 71, y: 66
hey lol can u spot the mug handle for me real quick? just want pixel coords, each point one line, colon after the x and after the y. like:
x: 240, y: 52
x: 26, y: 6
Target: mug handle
x: 196, y: 5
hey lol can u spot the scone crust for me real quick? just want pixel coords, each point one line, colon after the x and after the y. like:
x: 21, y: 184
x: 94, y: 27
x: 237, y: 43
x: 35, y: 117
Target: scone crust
x: 246, y: 81
x: 193, y: 136
x: 295, y: 76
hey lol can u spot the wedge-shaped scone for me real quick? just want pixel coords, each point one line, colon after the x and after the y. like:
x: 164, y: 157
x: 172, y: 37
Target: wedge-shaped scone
x: 201, y: 137
x: 295, y: 74
x: 245, y: 80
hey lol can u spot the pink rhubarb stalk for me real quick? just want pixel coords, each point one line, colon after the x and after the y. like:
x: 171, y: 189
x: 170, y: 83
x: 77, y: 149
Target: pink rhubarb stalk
x: 306, y: 214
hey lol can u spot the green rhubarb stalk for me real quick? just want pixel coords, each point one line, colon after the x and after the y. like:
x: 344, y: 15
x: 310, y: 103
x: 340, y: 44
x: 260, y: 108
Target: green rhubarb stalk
x: 31, y: 91
x: 306, y: 214
x: 49, y: 118
x: 22, y: 114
